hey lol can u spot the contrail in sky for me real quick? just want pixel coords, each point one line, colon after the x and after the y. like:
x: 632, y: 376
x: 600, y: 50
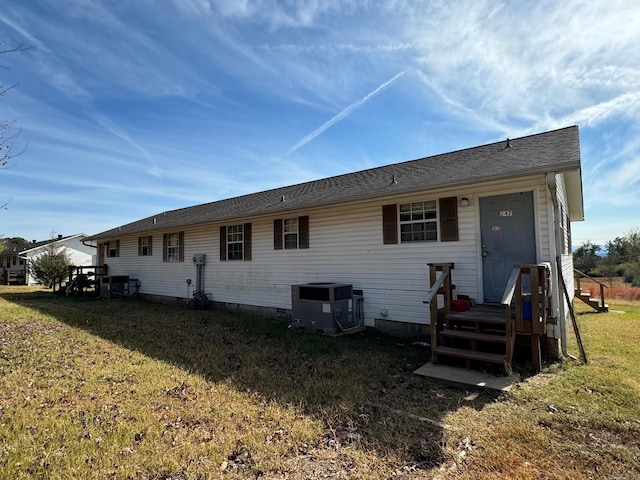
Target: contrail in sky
x: 341, y: 115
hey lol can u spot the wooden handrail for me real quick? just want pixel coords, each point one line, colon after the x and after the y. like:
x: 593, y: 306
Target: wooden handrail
x: 439, y: 285
x: 510, y: 289
x: 535, y: 323
x: 431, y: 294
x: 582, y: 274
x: 601, y: 303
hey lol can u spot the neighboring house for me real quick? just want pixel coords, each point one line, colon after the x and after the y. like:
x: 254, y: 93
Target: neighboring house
x: 14, y: 261
x: 484, y: 209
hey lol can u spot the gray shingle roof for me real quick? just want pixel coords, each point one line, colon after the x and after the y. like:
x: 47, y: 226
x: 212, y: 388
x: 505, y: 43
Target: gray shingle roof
x: 554, y: 151
x: 25, y: 247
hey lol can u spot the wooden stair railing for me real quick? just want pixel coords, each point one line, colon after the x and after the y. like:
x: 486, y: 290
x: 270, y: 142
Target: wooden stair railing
x: 487, y: 333
x: 439, y: 284
x: 597, y: 304
x: 532, y: 308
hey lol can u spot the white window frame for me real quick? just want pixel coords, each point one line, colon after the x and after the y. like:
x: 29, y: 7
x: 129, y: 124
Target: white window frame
x: 144, y: 246
x: 290, y: 233
x: 418, y: 221
x: 173, y: 247
x: 235, y: 242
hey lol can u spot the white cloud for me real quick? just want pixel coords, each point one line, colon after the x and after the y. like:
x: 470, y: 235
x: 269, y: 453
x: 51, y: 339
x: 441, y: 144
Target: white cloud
x: 483, y: 58
x: 343, y: 114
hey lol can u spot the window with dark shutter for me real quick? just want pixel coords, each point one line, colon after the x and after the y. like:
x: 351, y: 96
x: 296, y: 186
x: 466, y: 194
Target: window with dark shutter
x: 291, y: 233
x: 235, y: 242
x: 448, y: 219
x: 390, y: 224
x: 144, y: 246
x: 173, y: 247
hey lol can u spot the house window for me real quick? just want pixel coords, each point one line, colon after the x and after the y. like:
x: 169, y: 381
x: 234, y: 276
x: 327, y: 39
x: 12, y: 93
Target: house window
x: 144, y: 246
x: 291, y: 233
x: 418, y: 221
x: 173, y: 247
x: 235, y: 242
x: 113, y: 248
x: 421, y: 221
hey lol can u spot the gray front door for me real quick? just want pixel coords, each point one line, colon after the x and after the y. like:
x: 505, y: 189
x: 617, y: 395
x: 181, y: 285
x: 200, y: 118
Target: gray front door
x: 508, y: 239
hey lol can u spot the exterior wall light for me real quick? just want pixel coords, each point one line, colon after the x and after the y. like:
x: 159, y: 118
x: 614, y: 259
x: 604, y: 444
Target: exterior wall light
x: 464, y: 202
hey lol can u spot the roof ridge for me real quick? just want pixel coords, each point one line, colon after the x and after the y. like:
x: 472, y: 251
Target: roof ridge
x: 546, y: 151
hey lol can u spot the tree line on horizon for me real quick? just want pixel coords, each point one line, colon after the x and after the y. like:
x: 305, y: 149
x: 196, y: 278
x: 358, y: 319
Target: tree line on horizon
x: 616, y: 258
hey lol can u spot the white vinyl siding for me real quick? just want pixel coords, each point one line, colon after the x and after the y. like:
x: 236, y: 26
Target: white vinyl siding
x: 347, y: 247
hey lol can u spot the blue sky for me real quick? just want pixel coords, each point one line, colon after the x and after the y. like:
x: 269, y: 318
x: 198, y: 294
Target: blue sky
x: 132, y: 107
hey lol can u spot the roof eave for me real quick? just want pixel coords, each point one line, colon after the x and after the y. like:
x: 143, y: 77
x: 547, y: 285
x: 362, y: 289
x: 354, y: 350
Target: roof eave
x: 572, y: 170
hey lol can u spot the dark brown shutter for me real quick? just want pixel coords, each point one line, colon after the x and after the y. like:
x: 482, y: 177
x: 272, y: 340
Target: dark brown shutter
x: 449, y: 219
x: 140, y: 246
x: 150, y: 242
x: 303, y: 231
x: 223, y: 243
x: 181, y: 247
x: 277, y: 234
x: 117, y: 248
x: 390, y: 224
x: 247, y: 241
x: 165, y: 248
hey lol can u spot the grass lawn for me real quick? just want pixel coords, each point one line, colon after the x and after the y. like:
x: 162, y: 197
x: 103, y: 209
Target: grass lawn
x: 127, y: 389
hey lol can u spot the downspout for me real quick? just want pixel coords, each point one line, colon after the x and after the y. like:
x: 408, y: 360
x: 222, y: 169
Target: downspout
x: 98, y: 259
x: 562, y: 314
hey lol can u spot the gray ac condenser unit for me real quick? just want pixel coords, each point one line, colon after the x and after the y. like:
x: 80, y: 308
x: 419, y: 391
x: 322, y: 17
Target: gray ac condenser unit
x: 322, y: 306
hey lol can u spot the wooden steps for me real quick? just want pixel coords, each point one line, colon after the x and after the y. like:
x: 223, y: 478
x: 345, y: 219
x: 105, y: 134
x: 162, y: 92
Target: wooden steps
x: 594, y: 303
x: 486, y: 333
x: 477, y: 335
x: 471, y: 354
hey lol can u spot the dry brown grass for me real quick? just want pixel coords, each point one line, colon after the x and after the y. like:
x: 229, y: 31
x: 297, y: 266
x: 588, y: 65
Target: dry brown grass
x: 127, y: 389
x: 617, y: 290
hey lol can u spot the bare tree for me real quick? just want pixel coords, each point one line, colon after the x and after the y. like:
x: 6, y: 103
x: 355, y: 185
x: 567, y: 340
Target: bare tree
x: 8, y: 130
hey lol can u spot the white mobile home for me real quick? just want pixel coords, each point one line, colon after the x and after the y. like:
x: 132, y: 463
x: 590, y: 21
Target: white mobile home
x: 483, y: 209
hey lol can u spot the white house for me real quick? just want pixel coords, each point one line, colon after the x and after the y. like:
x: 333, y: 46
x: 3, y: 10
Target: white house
x: 484, y: 209
x: 14, y: 261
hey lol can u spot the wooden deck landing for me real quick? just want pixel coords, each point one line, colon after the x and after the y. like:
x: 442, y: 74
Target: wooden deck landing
x: 489, y: 312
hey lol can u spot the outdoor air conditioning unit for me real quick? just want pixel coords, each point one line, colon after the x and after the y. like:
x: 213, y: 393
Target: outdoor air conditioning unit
x: 322, y: 306
x: 114, y: 286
